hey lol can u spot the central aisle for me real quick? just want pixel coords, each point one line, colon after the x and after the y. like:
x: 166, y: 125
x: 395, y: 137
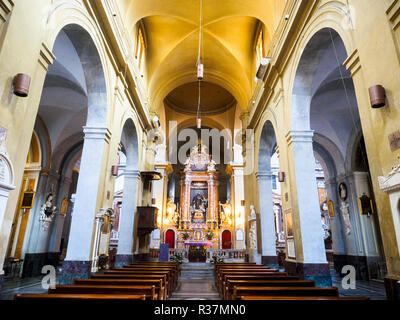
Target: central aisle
x: 196, y: 282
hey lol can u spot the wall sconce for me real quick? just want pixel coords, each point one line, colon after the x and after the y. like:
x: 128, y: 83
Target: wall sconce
x: 242, y: 203
x: 377, y: 95
x: 21, y: 83
x: 153, y: 201
x: 281, y: 176
x: 114, y: 171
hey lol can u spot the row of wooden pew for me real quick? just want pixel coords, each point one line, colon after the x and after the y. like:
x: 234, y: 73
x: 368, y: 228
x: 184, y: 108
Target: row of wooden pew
x: 249, y: 281
x: 138, y: 281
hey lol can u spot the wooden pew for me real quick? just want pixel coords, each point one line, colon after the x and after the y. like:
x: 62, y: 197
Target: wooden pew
x: 222, y: 275
x: 174, y: 269
x: 227, y: 291
x: 284, y: 291
x: 85, y: 297
x: 266, y: 298
x: 167, y: 273
x: 148, y: 291
x: 270, y: 277
x: 157, y: 283
x: 135, y: 276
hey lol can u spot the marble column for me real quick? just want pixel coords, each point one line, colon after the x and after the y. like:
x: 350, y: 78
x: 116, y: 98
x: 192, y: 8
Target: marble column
x: 267, y: 225
x: 127, y: 226
x: 310, y: 260
x: 77, y: 263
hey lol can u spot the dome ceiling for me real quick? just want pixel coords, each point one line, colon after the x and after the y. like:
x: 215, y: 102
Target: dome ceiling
x: 172, y: 31
x: 214, y: 99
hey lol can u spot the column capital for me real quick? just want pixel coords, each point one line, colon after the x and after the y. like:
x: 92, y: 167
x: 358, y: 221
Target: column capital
x: 299, y: 136
x: 263, y: 175
x: 97, y: 133
x: 131, y: 173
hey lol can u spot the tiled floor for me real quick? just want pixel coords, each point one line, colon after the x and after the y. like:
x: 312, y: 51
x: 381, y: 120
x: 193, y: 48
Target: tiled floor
x: 18, y: 285
x: 197, y: 282
x: 372, y: 289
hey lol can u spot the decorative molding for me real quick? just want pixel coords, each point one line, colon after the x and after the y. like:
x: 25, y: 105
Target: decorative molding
x: 299, y: 136
x: 97, y: 133
x: 391, y: 182
x: 46, y: 57
x: 6, y: 7
x: 352, y: 63
x: 393, y: 13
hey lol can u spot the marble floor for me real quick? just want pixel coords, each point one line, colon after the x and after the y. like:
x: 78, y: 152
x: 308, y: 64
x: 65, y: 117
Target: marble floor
x: 196, y: 282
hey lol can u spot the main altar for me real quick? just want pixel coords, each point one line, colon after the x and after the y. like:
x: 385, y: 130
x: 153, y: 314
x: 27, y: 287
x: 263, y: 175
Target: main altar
x: 194, y: 222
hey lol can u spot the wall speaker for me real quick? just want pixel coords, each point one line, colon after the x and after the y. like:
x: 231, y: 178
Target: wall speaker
x: 21, y: 84
x: 377, y: 96
x: 114, y: 171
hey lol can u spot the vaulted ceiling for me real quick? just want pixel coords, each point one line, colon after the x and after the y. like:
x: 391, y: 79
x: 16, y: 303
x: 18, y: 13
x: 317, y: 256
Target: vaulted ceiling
x: 172, y: 31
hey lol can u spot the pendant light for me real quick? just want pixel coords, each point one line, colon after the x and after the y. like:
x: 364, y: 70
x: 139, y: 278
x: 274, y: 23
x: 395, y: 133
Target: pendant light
x: 200, y: 67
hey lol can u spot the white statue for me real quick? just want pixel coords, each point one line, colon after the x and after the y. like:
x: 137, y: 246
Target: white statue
x: 253, y: 228
x: 227, y: 210
x: 211, y: 165
x: 344, y: 209
x: 253, y: 214
x: 47, y: 212
x: 253, y: 235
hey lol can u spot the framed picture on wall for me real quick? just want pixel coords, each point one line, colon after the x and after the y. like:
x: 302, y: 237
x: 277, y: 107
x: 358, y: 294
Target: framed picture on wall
x: 64, y: 207
x: 331, y: 211
x: 28, y: 199
x: 289, y: 223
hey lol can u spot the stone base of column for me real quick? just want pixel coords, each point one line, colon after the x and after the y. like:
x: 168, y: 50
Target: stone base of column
x: 123, y: 259
x: 270, y: 261
x: 71, y: 270
x: 319, y: 272
x: 254, y: 256
x: 34, y: 262
x: 392, y: 287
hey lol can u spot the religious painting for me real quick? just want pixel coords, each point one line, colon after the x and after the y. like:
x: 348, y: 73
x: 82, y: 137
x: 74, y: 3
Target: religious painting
x: 366, y: 205
x: 331, y: 211
x: 64, y: 207
x: 27, y: 200
x: 198, y: 203
x: 289, y: 223
x: 343, y: 191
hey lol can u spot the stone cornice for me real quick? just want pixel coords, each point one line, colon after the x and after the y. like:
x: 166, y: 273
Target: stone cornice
x: 115, y: 45
x: 282, y: 47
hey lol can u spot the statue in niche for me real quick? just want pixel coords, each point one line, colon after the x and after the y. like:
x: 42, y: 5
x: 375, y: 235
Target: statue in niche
x: 253, y: 228
x: 47, y: 212
x: 343, y: 191
x: 171, y: 208
x: 344, y: 209
x: 227, y: 210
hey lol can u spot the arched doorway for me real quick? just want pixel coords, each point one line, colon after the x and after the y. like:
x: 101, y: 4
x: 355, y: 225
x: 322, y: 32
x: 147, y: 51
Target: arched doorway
x: 325, y: 121
x: 170, y: 238
x: 226, y: 239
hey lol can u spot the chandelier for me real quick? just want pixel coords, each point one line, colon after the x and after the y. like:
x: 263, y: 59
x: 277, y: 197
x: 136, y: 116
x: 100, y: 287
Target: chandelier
x: 200, y: 66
